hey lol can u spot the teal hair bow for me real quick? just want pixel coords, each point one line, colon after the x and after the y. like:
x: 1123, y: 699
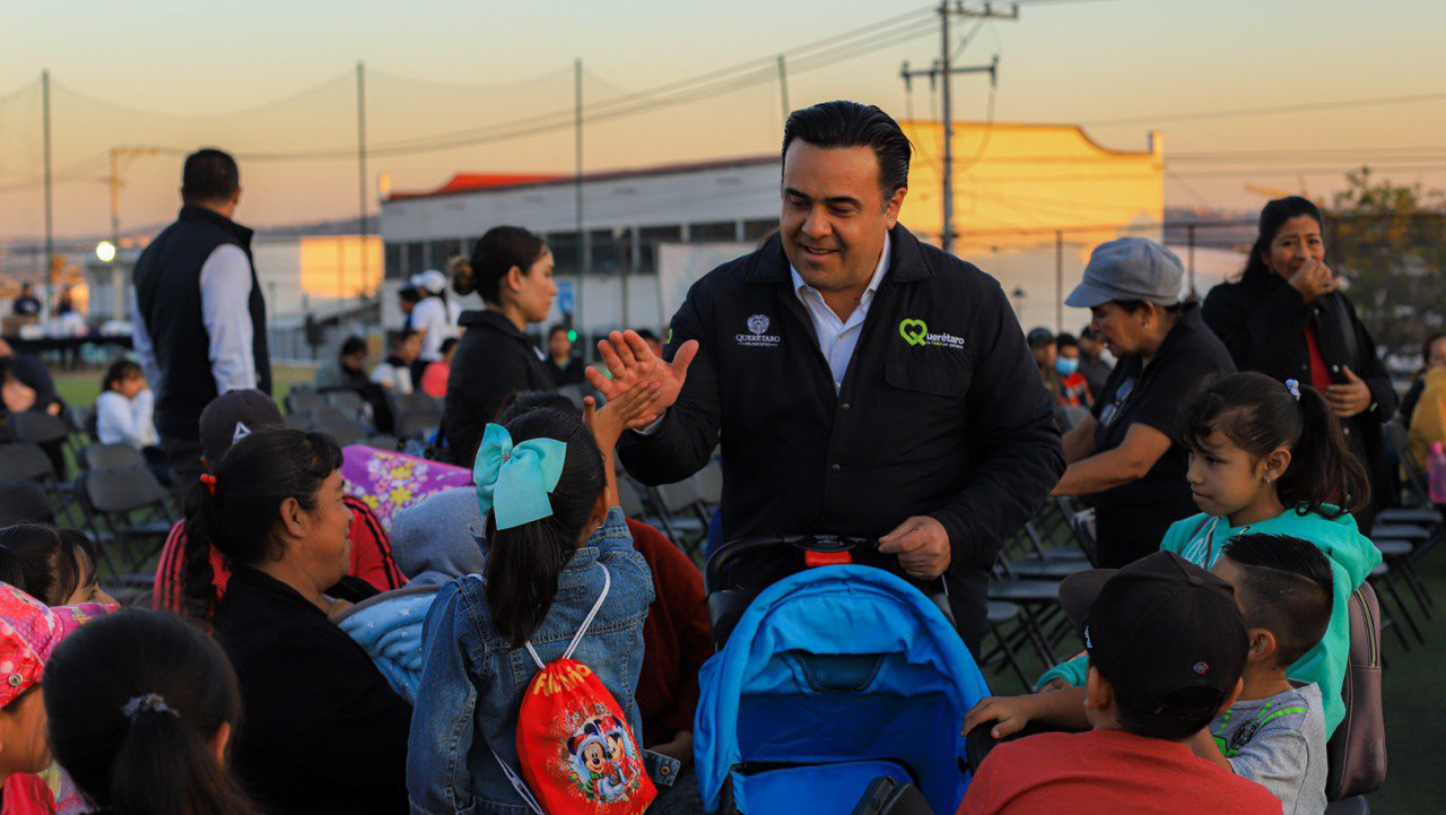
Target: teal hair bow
x: 513, y: 481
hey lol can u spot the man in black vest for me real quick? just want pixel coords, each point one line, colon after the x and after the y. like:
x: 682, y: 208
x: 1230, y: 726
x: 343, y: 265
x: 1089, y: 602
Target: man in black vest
x: 200, y: 323
x: 862, y: 382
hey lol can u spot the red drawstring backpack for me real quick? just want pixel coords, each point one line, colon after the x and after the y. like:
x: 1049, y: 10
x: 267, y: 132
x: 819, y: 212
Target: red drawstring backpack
x: 578, y: 754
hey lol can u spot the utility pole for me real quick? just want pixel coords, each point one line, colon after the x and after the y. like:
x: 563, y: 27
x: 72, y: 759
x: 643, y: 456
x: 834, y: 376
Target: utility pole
x: 361, y: 168
x: 49, y: 223
x: 783, y: 86
x: 942, y: 69
x: 583, y: 244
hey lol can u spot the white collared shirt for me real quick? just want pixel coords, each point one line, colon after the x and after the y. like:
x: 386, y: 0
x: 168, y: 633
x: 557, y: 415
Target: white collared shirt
x: 837, y: 338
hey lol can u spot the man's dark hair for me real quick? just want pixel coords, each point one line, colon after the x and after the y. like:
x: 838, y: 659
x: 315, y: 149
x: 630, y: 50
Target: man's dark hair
x: 1065, y: 339
x: 404, y: 335
x: 1286, y: 588
x: 209, y: 175
x: 850, y: 124
x: 352, y: 346
x: 409, y: 294
x: 1141, y: 722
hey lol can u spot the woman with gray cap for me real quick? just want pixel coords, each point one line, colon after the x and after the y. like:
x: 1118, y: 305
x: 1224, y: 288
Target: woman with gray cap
x: 1127, y: 455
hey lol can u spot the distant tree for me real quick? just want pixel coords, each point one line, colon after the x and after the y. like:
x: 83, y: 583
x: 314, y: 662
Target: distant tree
x: 1389, y: 243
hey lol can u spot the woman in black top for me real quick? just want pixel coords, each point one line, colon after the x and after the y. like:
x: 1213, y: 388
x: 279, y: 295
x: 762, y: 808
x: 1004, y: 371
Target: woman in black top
x: 1284, y: 318
x: 1127, y: 454
x: 512, y: 269
x: 324, y: 732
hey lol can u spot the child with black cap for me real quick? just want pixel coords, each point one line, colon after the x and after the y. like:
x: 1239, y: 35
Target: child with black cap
x: 1166, y: 647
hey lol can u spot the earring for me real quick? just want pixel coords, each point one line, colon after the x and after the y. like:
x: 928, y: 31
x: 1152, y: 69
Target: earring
x: 1267, y: 480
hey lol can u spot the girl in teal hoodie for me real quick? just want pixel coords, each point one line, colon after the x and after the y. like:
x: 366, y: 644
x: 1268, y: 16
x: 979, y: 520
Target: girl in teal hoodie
x: 1267, y: 458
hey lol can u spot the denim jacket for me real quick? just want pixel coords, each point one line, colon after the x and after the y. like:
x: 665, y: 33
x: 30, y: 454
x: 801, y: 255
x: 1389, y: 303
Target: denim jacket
x: 473, y: 681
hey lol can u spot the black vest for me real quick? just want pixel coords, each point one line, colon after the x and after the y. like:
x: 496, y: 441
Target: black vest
x: 168, y: 293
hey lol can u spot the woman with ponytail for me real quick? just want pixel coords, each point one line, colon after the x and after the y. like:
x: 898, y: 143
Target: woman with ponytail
x: 1287, y: 319
x: 1270, y: 458
x: 143, y: 708
x: 555, y: 538
x: 325, y: 732
x: 511, y: 269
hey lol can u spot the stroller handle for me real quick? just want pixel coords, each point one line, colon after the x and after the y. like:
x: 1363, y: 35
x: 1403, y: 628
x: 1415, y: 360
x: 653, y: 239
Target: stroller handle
x: 777, y: 557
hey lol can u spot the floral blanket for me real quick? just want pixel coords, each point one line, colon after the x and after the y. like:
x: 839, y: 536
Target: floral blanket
x: 389, y: 482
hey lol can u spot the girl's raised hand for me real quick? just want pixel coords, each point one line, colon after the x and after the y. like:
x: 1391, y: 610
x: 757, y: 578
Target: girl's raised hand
x: 624, y: 411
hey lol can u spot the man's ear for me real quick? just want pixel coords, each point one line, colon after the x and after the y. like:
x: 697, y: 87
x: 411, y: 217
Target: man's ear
x: 892, y: 207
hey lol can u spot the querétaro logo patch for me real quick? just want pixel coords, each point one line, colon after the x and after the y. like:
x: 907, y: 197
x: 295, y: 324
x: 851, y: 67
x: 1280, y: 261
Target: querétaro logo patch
x: 758, y: 336
x: 916, y: 333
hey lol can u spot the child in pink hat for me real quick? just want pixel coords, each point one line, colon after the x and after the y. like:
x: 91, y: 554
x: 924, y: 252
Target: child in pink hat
x: 29, y: 632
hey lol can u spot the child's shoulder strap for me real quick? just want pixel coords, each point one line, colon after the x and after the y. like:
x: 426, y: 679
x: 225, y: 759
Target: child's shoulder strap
x: 586, y: 623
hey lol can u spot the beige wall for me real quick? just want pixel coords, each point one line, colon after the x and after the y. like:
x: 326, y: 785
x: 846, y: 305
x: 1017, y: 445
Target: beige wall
x: 1013, y: 178
x: 331, y: 266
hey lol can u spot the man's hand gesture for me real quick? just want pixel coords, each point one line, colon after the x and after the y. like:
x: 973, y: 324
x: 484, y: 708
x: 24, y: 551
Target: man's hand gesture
x: 632, y: 363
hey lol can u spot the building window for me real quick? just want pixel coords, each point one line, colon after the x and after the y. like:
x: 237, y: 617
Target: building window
x: 393, y: 261
x: 755, y: 230
x: 443, y: 251
x: 611, y: 249
x: 714, y: 231
x: 416, y: 257
x: 565, y: 252
x: 648, y: 239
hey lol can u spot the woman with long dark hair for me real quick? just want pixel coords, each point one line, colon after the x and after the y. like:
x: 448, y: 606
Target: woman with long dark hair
x: 143, y: 708
x: 325, y: 732
x: 1286, y: 318
x: 512, y: 269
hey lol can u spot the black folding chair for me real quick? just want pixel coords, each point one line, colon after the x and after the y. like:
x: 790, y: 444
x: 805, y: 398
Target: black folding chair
x: 109, y: 457
x: 125, y: 507
x: 21, y: 461
x: 24, y: 502
x: 345, y: 431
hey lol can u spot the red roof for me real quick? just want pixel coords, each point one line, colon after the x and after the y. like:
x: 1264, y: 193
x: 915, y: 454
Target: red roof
x: 472, y: 182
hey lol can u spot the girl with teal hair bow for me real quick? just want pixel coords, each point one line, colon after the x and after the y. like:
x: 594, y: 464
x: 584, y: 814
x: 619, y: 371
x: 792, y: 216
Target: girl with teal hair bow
x: 556, y: 542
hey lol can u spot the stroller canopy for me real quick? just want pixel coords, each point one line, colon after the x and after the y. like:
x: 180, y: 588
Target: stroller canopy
x: 833, y: 677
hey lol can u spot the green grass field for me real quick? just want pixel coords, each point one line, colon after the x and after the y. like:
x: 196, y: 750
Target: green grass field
x: 1414, y: 718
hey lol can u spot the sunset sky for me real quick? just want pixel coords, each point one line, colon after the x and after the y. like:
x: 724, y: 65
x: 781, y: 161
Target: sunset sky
x: 274, y: 79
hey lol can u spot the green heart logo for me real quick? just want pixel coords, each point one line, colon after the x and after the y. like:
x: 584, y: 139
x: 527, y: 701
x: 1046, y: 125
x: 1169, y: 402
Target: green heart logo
x: 913, y: 331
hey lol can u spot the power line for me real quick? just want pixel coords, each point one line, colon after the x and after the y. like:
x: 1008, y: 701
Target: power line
x: 135, y: 111
x: 1271, y: 110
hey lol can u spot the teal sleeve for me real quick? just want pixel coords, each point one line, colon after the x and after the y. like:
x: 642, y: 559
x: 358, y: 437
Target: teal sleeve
x: 1072, y: 671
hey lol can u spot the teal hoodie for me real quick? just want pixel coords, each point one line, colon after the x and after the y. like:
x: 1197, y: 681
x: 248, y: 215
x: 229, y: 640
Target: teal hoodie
x: 1199, y: 540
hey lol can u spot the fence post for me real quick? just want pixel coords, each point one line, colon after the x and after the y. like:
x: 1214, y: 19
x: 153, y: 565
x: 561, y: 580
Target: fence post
x: 1190, y: 244
x: 1058, y: 280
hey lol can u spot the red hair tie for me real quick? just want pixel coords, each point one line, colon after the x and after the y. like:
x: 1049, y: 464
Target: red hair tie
x: 210, y: 482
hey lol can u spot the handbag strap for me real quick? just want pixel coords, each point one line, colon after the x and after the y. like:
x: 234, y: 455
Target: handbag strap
x: 586, y: 623
x: 512, y: 777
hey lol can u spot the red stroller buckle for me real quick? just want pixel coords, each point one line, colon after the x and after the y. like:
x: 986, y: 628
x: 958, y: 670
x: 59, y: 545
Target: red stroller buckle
x: 815, y: 559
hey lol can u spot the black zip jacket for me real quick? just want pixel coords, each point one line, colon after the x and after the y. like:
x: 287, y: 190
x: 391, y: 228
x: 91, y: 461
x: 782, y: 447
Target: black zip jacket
x: 942, y: 411
x: 493, y: 361
x: 1262, y: 320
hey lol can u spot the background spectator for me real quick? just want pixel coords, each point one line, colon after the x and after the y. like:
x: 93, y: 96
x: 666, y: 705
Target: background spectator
x: 1428, y: 415
x: 566, y: 367
x: 1433, y: 355
x: 27, y: 304
x: 395, y: 372
x: 511, y: 269
x: 1128, y: 453
x: 434, y: 316
x: 349, y: 369
x: 123, y: 415
x: 1073, y: 388
x: 200, y: 326
x: 1286, y: 319
x: 1092, y: 363
x: 434, y: 378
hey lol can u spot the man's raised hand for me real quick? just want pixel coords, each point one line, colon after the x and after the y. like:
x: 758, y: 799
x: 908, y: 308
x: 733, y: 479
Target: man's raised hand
x: 632, y: 362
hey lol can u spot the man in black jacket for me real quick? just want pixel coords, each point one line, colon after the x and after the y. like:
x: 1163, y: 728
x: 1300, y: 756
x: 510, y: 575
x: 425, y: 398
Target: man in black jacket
x: 200, y: 324
x: 863, y: 383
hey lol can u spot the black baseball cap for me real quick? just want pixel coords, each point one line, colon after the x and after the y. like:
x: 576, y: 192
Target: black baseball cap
x: 1167, y: 634
x: 231, y: 417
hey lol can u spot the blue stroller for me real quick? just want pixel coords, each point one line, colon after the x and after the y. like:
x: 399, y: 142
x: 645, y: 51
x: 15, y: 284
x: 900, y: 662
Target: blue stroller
x: 833, y: 677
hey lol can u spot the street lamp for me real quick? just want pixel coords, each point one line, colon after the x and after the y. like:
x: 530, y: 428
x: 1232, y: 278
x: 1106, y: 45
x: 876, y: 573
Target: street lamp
x: 105, y: 251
